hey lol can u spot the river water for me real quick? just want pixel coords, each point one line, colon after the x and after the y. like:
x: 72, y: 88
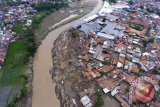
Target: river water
x: 43, y: 86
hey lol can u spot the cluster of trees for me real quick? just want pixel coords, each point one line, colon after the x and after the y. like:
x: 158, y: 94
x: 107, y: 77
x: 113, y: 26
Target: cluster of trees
x: 100, y: 100
x: 142, y: 7
x: 111, y: 1
x: 136, y: 26
x: 157, y: 96
x: 148, y: 41
x: 105, y: 62
x: 149, y: 10
x: 130, y: 2
x: 73, y: 33
x: 31, y: 42
x: 158, y: 12
x: 12, y: 3
x: 49, y: 6
x: 43, y: 8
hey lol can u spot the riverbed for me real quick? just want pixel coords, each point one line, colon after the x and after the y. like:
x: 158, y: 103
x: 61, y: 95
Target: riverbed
x: 43, y: 86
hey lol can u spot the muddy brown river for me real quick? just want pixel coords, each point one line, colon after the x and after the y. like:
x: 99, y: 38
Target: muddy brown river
x: 43, y: 86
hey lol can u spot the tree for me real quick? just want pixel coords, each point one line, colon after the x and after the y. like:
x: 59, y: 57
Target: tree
x: 112, y: 1
x: 142, y: 7
x: 130, y: 2
x: 105, y: 62
x: 73, y: 33
x: 149, y: 10
x: 103, y: 19
x: 157, y: 96
x: 158, y: 12
x: 100, y: 100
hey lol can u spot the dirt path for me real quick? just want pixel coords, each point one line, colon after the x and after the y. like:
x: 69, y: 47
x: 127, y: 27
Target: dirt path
x: 43, y: 86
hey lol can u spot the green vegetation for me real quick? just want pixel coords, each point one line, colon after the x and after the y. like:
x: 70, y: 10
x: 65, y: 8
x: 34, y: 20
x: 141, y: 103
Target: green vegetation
x: 105, y: 62
x: 37, y: 19
x: 73, y: 33
x: 142, y: 7
x: 12, y: 3
x: 136, y: 26
x: 13, y: 72
x: 155, y: 72
x: 149, y: 10
x: 130, y: 2
x: 157, y: 96
x: 14, y: 65
x: 44, y: 6
x: 18, y: 28
x: 158, y: 12
x: 100, y: 100
x: 111, y: 1
x: 148, y: 41
x: 138, y: 74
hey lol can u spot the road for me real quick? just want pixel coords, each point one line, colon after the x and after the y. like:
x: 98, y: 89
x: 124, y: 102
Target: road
x: 43, y: 85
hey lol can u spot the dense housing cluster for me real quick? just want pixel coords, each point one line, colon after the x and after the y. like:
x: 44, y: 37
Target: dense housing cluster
x: 121, y: 45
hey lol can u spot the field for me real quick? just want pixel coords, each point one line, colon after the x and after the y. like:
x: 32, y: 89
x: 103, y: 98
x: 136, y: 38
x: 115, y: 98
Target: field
x: 14, y: 66
x: 12, y: 74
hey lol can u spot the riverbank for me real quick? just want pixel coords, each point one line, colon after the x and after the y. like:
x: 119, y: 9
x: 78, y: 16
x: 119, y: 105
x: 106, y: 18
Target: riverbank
x: 63, y: 16
x: 70, y: 84
x: 26, y: 101
x: 43, y: 96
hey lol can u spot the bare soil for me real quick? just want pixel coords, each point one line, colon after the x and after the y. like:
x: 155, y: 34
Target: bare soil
x: 68, y: 77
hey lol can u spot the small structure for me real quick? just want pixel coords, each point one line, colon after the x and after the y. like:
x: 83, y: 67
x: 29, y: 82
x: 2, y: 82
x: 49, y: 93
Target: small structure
x: 29, y: 22
x: 86, y: 101
x: 115, y: 91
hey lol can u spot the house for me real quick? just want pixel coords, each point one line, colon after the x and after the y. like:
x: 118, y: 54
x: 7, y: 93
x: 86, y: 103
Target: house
x: 104, y: 35
x: 134, y: 69
x: 128, y: 78
x: 106, y: 84
x: 91, y: 18
x: 108, y: 44
x: 115, y: 91
x: 98, y: 53
x: 106, y: 68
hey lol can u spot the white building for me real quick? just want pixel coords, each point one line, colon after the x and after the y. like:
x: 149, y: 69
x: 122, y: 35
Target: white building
x: 86, y: 101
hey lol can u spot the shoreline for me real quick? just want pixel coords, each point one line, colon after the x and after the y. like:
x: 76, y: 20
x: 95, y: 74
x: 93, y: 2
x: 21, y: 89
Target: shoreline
x: 47, y: 50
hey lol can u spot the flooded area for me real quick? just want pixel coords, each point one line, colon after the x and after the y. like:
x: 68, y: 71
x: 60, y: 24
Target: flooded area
x: 43, y: 86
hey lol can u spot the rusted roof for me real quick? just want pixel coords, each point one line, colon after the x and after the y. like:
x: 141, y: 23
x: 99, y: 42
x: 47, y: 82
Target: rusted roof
x: 106, y: 68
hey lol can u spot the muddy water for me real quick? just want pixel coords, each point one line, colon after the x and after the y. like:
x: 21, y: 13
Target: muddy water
x: 43, y: 86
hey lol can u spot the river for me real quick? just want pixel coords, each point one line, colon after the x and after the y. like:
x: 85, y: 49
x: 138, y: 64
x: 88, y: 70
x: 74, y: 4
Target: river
x: 43, y: 86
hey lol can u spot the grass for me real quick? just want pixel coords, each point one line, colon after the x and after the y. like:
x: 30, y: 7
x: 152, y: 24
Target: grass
x: 37, y: 19
x: 13, y: 70
x: 14, y: 67
x: 18, y: 28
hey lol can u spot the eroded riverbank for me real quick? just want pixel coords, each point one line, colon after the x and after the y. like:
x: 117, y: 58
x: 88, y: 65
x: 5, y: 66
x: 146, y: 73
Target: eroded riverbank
x: 43, y: 86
